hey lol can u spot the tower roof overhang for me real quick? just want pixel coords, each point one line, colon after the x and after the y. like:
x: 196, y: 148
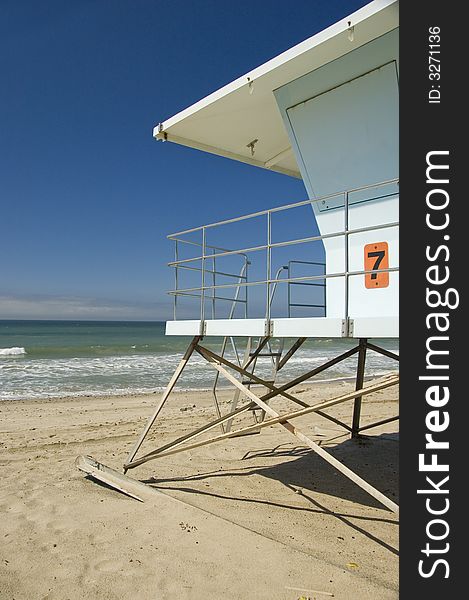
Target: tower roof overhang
x: 242, y: 121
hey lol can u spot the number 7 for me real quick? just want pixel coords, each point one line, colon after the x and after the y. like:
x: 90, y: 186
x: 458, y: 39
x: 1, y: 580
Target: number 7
x: 376, y: 257
x: 380, y: 254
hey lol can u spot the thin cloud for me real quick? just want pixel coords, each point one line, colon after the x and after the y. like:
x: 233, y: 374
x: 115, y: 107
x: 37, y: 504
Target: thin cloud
x: 70, y: 307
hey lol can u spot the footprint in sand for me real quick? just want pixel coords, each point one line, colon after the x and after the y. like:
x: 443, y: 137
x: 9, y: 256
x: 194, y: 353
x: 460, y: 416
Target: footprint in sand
x: 108, y: 566
x: 12, y: 505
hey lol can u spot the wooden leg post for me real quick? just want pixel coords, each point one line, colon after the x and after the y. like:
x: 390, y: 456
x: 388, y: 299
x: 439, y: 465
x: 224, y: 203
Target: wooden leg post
x: 167, y: 392
x: 357, y: 405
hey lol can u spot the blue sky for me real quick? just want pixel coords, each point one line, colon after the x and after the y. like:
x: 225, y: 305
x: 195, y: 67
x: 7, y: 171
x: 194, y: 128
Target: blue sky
x: 87, y: 196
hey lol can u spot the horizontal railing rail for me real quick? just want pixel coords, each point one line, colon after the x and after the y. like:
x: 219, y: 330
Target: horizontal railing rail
x: 287, y: 207
x: 292, y: 280
x: 315, y: 238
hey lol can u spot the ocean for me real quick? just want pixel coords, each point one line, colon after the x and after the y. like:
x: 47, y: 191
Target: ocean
x: 47, y: 359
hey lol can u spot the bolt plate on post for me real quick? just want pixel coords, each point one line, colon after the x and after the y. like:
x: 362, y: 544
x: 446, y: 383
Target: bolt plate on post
x: 344, y: 328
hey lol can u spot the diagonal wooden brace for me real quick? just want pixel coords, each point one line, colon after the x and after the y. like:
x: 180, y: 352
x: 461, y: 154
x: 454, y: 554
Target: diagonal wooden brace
x: 307, y: 441
x: 131, y: 463
x: 316, y: 408
x: 209, y: 355
x: 185, y: 438
x: 299, y: 342
x: 205, y: 351
x: 167, y: 392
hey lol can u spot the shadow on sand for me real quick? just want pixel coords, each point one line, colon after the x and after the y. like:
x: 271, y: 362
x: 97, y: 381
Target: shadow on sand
x: 373, y: 458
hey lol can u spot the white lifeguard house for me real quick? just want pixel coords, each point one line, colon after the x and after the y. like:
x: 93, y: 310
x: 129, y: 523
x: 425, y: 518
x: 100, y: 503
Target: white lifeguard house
x: 325, y: 111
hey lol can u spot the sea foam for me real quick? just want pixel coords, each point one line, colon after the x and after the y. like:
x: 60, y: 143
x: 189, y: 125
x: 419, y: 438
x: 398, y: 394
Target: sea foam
x: 146, y: 373
x: 14, y: 351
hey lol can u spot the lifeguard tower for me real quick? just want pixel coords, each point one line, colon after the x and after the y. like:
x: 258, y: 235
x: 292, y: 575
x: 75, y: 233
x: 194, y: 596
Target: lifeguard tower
x: 325, y: 111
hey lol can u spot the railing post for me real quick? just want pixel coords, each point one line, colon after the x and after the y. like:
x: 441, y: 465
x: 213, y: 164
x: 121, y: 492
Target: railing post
x: 246, y: 265
x: 176, y: 279
x: 347, y: 265
x: 213, y: 282
x: 202, y: 291
x: 324, y: 293
x: 269, y: 266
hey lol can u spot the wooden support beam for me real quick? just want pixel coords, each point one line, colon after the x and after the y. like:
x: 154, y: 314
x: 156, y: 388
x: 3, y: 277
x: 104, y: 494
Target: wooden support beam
x: 312, y: 373
x: 269, y: 422
x: 168, y: 390
x: 235, y: 400
x: 383, y: 422
x: 299, y: 342
x: 272, y: 387
x: 185, y: 438
x: 208, y: 354
x: 382, y: 351
x: 284, y: 420
x: 168, y: 449
x: 110, y: 477
x: 357, y: 405
x: 334, y: 420
x: 308, y: 442
x: 226, y: 425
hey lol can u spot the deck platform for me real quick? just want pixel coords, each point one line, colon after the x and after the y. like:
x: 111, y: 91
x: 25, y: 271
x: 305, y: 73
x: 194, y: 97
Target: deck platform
x: 314, y: 327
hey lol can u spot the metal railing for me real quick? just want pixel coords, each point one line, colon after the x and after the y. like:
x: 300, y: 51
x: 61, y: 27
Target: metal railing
x: 199, y: 292
x: 209, y: 255
x: 291, y: 284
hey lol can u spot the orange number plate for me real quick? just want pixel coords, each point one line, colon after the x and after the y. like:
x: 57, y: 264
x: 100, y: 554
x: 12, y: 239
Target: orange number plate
x: 376, y: 258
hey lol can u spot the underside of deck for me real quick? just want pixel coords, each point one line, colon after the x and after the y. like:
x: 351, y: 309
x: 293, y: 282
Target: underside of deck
x: 314, y: 327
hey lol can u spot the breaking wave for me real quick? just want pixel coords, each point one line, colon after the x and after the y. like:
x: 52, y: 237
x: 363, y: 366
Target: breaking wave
x: 15, y: 351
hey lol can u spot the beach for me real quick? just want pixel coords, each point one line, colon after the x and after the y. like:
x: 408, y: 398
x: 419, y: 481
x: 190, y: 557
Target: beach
x: 257, y: 516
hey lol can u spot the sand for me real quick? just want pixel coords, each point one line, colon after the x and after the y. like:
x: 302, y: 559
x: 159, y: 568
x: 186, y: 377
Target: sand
x: 258, y: 516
